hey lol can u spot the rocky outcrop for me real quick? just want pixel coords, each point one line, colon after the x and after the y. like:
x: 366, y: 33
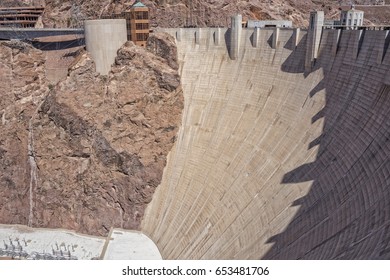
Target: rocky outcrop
x: 178, y: 13
x: 100, y: 142
x: 23, y: 87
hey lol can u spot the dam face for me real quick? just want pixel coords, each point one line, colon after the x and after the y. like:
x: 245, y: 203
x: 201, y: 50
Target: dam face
x: 274, y: 161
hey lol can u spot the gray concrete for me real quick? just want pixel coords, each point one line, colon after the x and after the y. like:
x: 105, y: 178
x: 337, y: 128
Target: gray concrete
x: 218, y: 37
x: 256, y: 36
x: 103, y: 38
x: 296, y: 37
x: 313, y: 38
x: 235, y: 36
x: 336, y: 40
x: 275, y: 37
x: 198, y: 34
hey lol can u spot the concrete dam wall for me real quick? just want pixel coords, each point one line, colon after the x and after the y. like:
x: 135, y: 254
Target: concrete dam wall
x: 274, y: 161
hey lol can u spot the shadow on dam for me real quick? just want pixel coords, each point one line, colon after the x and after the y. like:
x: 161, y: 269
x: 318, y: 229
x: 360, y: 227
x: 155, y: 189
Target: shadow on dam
x: 273, y: 162
x: 346, y: 213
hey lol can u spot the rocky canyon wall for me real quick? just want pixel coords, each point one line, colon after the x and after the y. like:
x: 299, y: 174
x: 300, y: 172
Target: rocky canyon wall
x: 88, y: 153
x: 179, y: 13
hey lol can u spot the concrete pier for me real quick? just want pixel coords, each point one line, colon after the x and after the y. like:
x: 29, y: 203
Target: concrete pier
x: 314, y: 38
x: 235, y: 36
x: 103, y: 38
x: 275, y: 37
x: 256, y: 37
x: 218, y: 37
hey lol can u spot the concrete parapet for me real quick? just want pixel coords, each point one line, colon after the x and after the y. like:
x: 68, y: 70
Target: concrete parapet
x: 178, y: 35
x: 197, y: 36
x: 235, y: 36
x: 217, y: 36
x: 357, y: 43
x: 256, y: 35
x: 275, y: 37
x: 221, y: 37
x: 103, y: 38
x: 296, y: 37
x: 336, y: 40
x: 314, y: 38
x: 383, y: 45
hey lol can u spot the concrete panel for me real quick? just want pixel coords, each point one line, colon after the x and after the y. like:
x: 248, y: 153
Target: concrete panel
x: 296, y: 37
x: 256, y: 36
x: 235, y: 36
x: 218, y: 37
x: 314, y: 38
x: 275, y: 38
x: 198, y: 34
x: 103, y: 38
x: 336, y: 40
x: 383, y: 44
x: 178, y: 35
x: 357, y: 42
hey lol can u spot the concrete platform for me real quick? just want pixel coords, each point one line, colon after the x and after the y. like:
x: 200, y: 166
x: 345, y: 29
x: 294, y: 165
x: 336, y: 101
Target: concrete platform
x: 131, y: 245
x: 22, y: 242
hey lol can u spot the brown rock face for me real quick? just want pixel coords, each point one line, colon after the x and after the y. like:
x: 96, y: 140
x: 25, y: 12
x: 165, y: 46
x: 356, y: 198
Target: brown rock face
x: 22, y: 89
x: 177, y: 13
x: 100, y: 143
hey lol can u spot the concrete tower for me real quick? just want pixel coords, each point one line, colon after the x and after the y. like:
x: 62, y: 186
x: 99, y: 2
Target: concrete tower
x: 139, y: 23
x: 103, y: 38
x: 314, y: 38
x: 235, y: 36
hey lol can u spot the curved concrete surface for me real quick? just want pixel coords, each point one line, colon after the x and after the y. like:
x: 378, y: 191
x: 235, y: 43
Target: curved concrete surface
x: 103, y: 38
x: 275, y: 163
x: 130, y: 245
